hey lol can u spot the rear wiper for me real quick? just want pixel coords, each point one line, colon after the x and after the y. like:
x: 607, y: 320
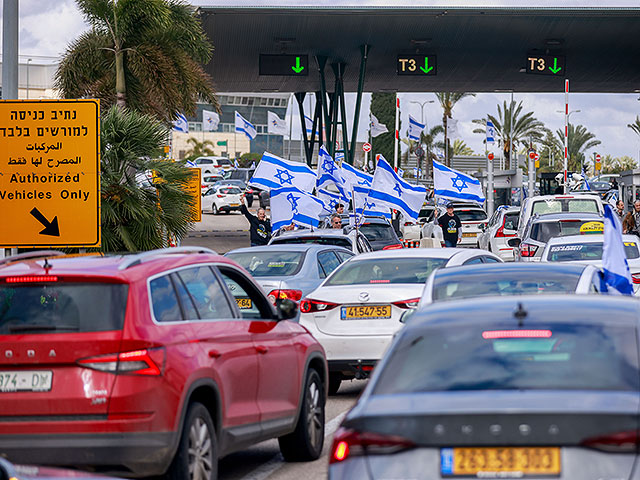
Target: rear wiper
x: 37, y: 328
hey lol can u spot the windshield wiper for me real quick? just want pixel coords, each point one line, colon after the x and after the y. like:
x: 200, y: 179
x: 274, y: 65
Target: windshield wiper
x: 38, y: 328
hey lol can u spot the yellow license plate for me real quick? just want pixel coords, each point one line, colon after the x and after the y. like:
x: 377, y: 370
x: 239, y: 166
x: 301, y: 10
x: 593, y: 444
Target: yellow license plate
x: 368, y: 312
x: 500, y: 462
x: 244, y: 303
x: 469, y: 234
x: 235, y: 204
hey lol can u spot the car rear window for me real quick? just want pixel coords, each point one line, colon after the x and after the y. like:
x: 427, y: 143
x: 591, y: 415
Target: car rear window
x: 571, y: 205
x: 61, y: 307
x: 586, y: 251
x: 376, y: 232
x: 543, y: 231
x: 471, y: 215
x: 335, y: 241
x: 557, y: 357
x: 230, y: 190
x: 511, y: 221
x: 212, y: 179
x: 447, y: 286
x: 223, y: 161
x: 269, y: 264
x: 385, y: 271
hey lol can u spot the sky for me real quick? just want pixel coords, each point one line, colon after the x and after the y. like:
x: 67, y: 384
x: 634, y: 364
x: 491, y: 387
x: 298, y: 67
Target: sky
x: 47, y: 27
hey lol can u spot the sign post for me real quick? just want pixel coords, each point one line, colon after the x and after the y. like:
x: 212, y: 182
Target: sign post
x: 490, y: 182
x: 598, y: 164
x: 532, y: 172
x: 50, y: 173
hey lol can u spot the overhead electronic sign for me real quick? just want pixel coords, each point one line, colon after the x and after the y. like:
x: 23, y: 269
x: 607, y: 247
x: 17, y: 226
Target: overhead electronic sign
x: 414, y: 64
x: 546, y: 65
x: 290, y: 65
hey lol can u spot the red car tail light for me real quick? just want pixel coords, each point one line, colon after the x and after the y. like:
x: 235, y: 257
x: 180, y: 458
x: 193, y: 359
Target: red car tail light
x: 32, y: 279
x: 635, y: 277
x: 349, y: 443
x: 528, y: 250
x: 500, y: 232
x: 149, y: 361
x: 219, y: 196
x: 395, y: 246
x: 619, y: 442
x: 310, y: 306
x: 411, y: 303
x: 294, y: 295
x: 492, y: 334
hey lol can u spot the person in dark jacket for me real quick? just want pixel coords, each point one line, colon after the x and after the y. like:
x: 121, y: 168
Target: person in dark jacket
x: 260, y: 226
x: 451, y: 227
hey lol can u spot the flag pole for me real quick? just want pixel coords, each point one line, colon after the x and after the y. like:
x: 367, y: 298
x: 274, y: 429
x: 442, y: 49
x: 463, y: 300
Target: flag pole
x: 395, y: 146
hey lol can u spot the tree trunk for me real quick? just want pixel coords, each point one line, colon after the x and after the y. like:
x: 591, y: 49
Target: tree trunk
x: 121, y: 89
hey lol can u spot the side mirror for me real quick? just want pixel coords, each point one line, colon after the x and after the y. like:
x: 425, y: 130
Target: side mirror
x: 288, y: 309
x: 514, y: 242
x: 404, y: 318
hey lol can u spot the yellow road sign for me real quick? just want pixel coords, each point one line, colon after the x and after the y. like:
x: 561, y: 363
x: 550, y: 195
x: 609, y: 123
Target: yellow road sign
x: 194, y: 187
x: 49, y: 173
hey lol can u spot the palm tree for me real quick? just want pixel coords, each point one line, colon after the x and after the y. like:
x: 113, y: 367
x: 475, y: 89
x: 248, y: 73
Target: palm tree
x: 512, y: 127
x: 198, y: 149
x: 461, y: 148
x: 635, y: 126
x: 145, y: 55
x: 447, y: 101
x: 140, y: 213
x: 580, y: 140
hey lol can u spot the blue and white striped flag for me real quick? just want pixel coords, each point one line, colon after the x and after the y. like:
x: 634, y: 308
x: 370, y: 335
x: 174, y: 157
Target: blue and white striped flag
x: 235, y: 163
x: 292, y: 205
x: 243, y: 126
x: 366, y: 206
x: 331, y: 199
x: 388, y: 189
x: 491, y: 133
x: 309, y: 126
x: 354, y: 177
x: 614, y: 258
x: 275, y: 172
x: 455, y: 185
x: 415, y: 128
x: 180, y: 124
x: 585, y: 185
x: 329, y: 173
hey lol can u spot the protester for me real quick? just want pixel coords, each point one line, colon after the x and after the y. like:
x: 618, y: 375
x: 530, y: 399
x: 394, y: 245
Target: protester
x: 336, y: 221
x: 620, y: 209
x: 260, y: 226
x: 631, y: 222
x: 339, y: 208
x: 451, y: 227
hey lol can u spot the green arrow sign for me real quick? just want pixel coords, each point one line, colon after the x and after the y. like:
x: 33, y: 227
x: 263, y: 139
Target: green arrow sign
x: 555, y: 68
x: 426, y: 68
x: 298, y: 68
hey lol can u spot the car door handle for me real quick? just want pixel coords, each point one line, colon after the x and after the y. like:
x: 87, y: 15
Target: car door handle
x: 261, y: 349
x: 215, y: 354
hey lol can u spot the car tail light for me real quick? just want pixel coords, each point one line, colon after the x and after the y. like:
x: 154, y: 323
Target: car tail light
x: 528, y: 250
x: 148, y: 361
x: 294, y: 295
x: 500, y: 232
x: 491, y: 334
x: 614, y: 442
x: 635, y: 277
x: 32, y: 279
x: 395, y: 246
x: 349, y: 443
x: 310, y: 306
x: 203, y: 186
x: 412, y: 303
x: 408, y: 224
x: 220, y: 196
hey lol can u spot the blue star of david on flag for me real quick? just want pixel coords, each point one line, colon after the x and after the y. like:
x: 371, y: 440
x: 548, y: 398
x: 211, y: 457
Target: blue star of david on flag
x: 459, y: 183
x: 329, y: 166
x: 365, y: 183
x: 333, y: 203
x: 284, y: 176
x: 293, y: 200
x: 398, y: 189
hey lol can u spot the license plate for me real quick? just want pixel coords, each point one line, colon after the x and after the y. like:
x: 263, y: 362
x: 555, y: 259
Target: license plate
x: 234, y: 204
x: 368, y: 312
x: 469, y: 234
x: 508, y: 462
x: 26, y: 381
x: 244, y: 303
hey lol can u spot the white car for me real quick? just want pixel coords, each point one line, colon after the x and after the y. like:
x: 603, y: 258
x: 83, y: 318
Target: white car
x: 588, y: 249
x: 223, y: 198
x: 213, y: 164
x: 355, y: 312
x: 471, y: 216
x: 412, y: 231
x: 502, y: 225
x: 208, y: 180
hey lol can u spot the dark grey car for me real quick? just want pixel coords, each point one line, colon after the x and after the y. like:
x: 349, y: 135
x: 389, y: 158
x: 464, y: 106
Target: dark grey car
x: 506, y: 387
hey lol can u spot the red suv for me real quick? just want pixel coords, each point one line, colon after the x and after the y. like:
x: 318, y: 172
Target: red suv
x: 153, y: 363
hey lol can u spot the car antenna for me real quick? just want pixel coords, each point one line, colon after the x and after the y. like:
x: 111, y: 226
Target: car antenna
x: 520, y: 314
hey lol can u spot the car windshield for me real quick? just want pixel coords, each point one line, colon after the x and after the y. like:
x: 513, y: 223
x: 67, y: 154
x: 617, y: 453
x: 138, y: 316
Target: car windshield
x: 571, y: 205
x: 454, y: 286
x: 542, y: 357
x: 586, y: 251
x: 386, y: 271
x: 269, y: 264
x: 377, y: 232
x: 471, y: 215
x: 543, y: 231
x: 336, y: 241
x: 62, y: 307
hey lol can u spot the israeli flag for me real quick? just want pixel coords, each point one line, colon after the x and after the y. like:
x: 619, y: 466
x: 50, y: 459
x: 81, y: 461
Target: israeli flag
x: 585, y: 185
x: 243, y: 126
x: 331, y: 199
x: 366, y: 206
x: 339, y: 156
x: 491, y: 132
x: 391, y: 191
x: 354, y: 177
x: 275, y: 172
x: 614, y: 258
x: 329, y: 173
x: 290, y: 205
x: 309, y: 126
x: 235, y: 164
x: 455, y: 185
x: 180, y: 124
x: 253, y: 165
x: 400, y: 173
x: 415, y: 129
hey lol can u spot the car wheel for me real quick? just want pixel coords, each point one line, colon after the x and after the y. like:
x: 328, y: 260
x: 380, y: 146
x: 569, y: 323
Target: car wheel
x: 197, y: 454
x: 335, y: 379
x: 215, y: 209
x: 306, y: 441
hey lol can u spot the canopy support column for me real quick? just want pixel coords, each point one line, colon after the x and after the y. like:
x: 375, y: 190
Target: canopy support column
x: 364, y: 50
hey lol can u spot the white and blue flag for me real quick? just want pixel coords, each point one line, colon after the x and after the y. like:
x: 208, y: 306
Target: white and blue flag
x: 585, y: 185
x: 235, y: 163
x: 455, y: 185
x: 330, y: 199
x: 400, y: 173
x: 415, y: 129
x: 308, y: 121
x: 491, y: 132
x: 180, y: 124
x: 243, y: 126
x: 614, y: 258
x: 366, y: 206
x: 354, y: 177
x: 290, y: 205
x: 275, y: 172
x: 391, y: 191
x: 329, y: 173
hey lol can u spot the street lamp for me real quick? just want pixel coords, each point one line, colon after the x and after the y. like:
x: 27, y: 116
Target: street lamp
x: 28, y: 62
x: 422, y: 105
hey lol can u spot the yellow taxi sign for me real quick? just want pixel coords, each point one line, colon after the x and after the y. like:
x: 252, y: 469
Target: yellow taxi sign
x: 591, y: 227
x: 50, y: 173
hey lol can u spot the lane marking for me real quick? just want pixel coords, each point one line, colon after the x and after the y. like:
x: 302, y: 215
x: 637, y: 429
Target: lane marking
x: 277, y: 461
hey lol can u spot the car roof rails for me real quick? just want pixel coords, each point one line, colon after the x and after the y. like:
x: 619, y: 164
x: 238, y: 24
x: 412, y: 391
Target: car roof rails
x: 31, y: 255
x: 138, y: 258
